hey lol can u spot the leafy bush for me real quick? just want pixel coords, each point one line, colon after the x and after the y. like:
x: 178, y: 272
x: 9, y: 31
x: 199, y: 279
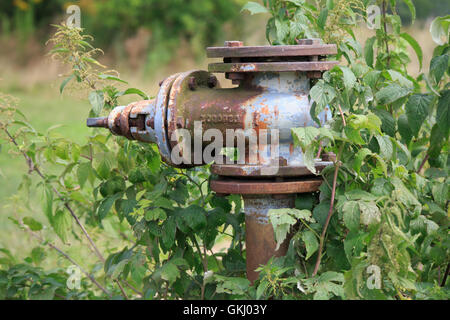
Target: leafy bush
x: 378, y: 229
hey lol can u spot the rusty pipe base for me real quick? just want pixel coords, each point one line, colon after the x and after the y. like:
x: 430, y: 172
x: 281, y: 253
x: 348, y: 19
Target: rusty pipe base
x: 259, y: 236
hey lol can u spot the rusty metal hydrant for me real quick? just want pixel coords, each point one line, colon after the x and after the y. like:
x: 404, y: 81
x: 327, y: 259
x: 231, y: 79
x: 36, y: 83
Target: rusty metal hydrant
x: 273, y: 84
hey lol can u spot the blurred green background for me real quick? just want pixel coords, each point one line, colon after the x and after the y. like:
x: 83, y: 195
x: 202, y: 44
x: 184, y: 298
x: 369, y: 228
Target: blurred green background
x: 144, y: 40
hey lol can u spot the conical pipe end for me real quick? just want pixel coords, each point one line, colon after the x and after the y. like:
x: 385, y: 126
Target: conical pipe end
x: 101, y: 122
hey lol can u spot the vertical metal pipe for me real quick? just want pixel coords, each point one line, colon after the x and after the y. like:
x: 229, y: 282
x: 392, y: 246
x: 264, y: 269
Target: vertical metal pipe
x: 259, y: 239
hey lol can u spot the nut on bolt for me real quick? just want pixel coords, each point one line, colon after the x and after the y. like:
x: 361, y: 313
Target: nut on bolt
x: 212, y: 81
x: 192, y: 83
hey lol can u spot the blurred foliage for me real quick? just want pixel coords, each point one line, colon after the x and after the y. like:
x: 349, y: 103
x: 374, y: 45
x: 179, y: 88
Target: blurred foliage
x: 199, y: 22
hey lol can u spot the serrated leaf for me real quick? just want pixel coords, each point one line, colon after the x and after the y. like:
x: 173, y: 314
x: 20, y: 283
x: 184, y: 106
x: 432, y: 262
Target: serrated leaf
x: 369, y: 212
x: 349, y: 77
x: 32, y: 223
x: 83, y: 171
x: 254, y: 8
x: 417, y: 110
x: 391, y: 93
x: 438, y: 66
x: 351, y: 215
x: 403, y: 194
x: 440, y: 193
x: 311, y: 243
x: 397, y: 76
x: 195, y: 217
x: 169, y: 229
x: 283, y: 219
x: 353, y: 135
x: 322, y: 94
x: 97, y: 101
x: 170, y: 272
x: 304, y: 136
x: 106, y: 205
x: 62, y: 223
x: 443, y: 112
x: 404, y: 128
x: 387, y: 121
x: 358, y: 194
x: 386, y: 148
x: 282, y: 29
x: 155, y: 214
x: 359, y: 158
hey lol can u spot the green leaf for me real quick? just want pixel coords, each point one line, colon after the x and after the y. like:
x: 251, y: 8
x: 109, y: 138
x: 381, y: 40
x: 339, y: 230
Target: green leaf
x: 262, y: 287
x: 358, y: 194
x: 403, y: 194
x: 32, y: 223
x: 436, y: 141
x: 412, y: 9
x: 97, y: 101
x: 387, y: 121
x: 110, y: 77
x: 106, y: 205
x: 170, y: 272
x: 133, y: 91
x: 232, y: 285
x: 283, y: 219
x: 415, y: 45
x: 369, y: 212
x: 322, y: 19
x: 438, y: 66
x: 443, y: 112
x: 351, y: 215
x: 282, y: 28
x: 404, y: 129
x: 417, y: 110
x: 304, y: 136
x: 169, y: 229
x: 386, y: 147
x: 397, y: 76
x: 349, y: 77
x: 322, y: 94
x: 311, y: 243
x: 62, y: 223
x: 440, y: 193
x: 65, y: 82
x: 254, y: 8
x: 359, y: 158
x: 368, y: 50
x: 83, y: 171
x: 391, y: 93
x: 155, y: 214
x: 48, y: 202
x: 353, y: 135
x: 195, y: 217
x: 439, y: 29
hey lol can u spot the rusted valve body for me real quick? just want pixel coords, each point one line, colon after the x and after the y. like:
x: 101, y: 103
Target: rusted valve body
x: 272, y: 94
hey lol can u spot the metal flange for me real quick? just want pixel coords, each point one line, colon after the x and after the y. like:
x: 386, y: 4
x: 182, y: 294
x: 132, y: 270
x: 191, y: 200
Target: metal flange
x: 238, y: 186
